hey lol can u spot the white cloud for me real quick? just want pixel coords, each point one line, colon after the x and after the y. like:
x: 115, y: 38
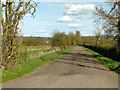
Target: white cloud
x: 26, y: 35
x: 80, y: 9
x: 40, y: 31
x: 28, y: 15
x: 81, y: 16
x: 65, y: 19
x: 67, y: 5
x: 75, y: 25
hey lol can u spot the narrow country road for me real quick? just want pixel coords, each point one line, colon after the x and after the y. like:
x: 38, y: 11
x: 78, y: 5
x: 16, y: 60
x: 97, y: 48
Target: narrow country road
x: 76, y: 69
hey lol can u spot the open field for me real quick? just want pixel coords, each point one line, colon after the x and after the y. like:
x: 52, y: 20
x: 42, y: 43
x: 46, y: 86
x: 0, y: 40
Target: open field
x: 22, y: 48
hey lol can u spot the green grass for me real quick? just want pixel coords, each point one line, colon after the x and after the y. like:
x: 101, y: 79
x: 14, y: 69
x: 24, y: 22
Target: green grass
x: 27, y: 67
x: 35, y: 50
x: 107, y: 62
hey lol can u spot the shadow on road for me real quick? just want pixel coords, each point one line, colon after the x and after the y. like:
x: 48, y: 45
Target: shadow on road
x: 80, y: 58
x: 70, y: 58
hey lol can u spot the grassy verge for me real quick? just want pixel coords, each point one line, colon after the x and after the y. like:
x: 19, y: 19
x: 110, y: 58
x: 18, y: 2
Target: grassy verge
x: 107, y: 62
x: 27, y: 67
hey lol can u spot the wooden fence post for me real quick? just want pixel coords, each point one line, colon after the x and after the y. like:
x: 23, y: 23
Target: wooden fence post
x: 26, y: 56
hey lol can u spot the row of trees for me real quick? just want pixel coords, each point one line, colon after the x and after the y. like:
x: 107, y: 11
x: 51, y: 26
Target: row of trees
x: 63, y: 40
x: 104, y: 41
x: 34, y: 41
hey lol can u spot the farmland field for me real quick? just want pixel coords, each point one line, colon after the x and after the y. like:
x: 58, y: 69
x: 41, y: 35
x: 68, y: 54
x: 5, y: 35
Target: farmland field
x: 34, y: 47
x: 32, y: 50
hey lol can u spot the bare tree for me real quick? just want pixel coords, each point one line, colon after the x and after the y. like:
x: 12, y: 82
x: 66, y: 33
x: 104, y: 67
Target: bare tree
x: 97, y: 32
x: 97, y: 25
x: 116, y: 15
x: 111, y: 21
x: 12, y: 13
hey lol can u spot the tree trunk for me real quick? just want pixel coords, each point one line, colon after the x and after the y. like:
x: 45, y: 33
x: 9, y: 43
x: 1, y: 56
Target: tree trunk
x: 98, y: 38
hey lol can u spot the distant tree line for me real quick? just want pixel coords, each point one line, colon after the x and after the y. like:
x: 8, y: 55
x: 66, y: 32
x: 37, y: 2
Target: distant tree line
x: 62, y: 40
x: 35, y: 41
x: 105, y: 40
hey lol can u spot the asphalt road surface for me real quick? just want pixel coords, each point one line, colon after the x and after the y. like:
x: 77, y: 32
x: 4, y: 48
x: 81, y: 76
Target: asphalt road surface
x: 76, y: 69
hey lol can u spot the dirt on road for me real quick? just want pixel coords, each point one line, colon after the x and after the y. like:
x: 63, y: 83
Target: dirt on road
x: 76, y: 69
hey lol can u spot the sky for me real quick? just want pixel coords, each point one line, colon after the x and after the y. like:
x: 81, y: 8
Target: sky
x: 61, y: 16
